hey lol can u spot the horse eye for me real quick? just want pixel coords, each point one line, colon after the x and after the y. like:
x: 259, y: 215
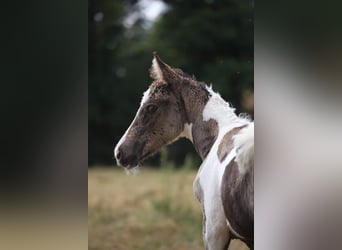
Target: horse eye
x: 151, y: 108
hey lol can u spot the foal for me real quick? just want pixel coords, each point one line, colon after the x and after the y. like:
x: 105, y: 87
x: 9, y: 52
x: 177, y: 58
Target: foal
x: 176, y: 105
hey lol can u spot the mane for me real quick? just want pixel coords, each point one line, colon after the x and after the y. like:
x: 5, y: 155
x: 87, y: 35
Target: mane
x: 221, y: 111
x: 192, y: 79
x: 183, y: 74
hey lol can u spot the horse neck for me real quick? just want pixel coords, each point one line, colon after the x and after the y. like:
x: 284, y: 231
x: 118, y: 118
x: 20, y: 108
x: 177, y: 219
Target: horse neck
x: 205, y: 113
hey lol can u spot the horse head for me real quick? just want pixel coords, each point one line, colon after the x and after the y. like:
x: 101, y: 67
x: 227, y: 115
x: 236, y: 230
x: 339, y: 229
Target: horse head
x: 159, y: 120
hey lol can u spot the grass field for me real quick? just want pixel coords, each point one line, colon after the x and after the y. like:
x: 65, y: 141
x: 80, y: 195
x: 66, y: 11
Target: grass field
x: 155, y: 209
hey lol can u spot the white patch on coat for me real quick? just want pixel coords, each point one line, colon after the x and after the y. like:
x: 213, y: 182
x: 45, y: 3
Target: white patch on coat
x: 244, y: 143
x: 187, y: 132
x: 220, y: 111
x: 211, y: 171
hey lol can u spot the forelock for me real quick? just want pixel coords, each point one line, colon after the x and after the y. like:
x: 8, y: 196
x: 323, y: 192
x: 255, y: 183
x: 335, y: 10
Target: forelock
x: 160, y: 89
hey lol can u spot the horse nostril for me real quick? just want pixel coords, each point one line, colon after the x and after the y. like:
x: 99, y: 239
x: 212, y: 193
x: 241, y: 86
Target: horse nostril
x: 118, y: 155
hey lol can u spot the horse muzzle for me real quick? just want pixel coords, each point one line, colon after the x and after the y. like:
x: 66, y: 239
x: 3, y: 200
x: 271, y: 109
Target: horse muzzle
x: 125, y: 158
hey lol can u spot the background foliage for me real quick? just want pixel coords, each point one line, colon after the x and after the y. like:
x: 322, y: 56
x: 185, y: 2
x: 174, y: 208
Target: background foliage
x: 211, y: 39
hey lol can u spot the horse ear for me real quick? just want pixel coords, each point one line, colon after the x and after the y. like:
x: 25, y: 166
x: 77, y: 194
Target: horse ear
x: 160, y: 70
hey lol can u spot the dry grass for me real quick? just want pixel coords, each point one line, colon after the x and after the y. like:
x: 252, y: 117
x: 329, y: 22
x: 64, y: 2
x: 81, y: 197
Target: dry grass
x: 155, y: 209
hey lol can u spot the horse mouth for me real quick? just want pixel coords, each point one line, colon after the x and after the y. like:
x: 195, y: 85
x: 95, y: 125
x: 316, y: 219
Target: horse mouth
x: 129, y: 166
x: 137, y: 163
x: 132, y: 161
